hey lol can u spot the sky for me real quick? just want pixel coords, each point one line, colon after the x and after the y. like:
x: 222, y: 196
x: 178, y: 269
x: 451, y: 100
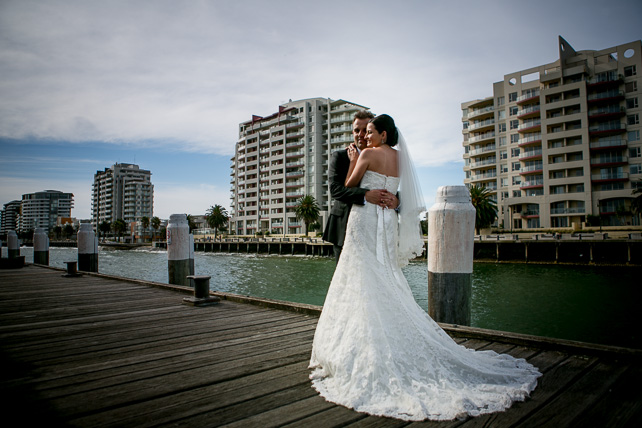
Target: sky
x: 164, y: 84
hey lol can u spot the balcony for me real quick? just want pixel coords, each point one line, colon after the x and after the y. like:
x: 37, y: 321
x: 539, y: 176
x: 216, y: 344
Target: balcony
x: 484, y: 176
x: 530, y: 125
x: 532, y: 183
x: 291, y: 155
x: 568, y: 210
x: 531, y: 169
x: 609, y: 177
x: 485, y: 149
x: 528, y: 140
x: 528, y: 97
x: 491, y: 161
x: 529, y: 112
x: 483, y: 137
x: 531, y: 154
x: 609, y: 128
x: 480, y: 111
x: 608, y: 143
x: 489, y: 123
x: 609, y: 160
x: 609, y: 78
x: 605, y: 97
x: 608, y: 112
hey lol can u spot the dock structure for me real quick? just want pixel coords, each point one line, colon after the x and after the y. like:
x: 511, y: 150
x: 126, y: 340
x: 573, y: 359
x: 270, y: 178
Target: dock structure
x: 96, y: 351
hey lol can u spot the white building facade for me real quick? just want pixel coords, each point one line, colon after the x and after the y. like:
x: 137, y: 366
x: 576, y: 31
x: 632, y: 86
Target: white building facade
x: 122, y: 191
x: 282, y: 157
x: 560, y: 142
x: 43, y: 209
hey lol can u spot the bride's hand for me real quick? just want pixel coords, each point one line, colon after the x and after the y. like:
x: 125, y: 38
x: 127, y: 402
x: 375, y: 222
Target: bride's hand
x: 353, y: 154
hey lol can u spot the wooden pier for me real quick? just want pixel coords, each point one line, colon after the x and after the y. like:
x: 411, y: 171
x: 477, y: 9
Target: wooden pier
x: 96, y: 351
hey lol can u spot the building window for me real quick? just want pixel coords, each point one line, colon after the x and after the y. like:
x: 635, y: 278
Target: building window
x: 501, y: 127
x: 517, y: 180
x: 501, y: 114
x: 502, y: 141
x: 633, y: 119
x: 514, y: 153
x: 636, y: 168
x: 503, y: 154
x: 514, y: 124
x: 630, y: 71
x: 557, y: 190
x: 515, y: 166
x: 514, y: 138
x: 556, y: 159
x: 512, y: 97
x: 633, y: 135
x: 632, y: 103
x: 631, y: 87
x: 634, y: 152
x: 555, y: 144
x: 512, y: 111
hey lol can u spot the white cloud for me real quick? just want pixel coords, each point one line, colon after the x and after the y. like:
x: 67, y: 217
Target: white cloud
x: 188, y: 199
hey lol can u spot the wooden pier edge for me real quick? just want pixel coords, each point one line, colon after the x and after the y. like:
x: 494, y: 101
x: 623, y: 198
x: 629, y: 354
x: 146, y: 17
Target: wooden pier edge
x: 519, y: 339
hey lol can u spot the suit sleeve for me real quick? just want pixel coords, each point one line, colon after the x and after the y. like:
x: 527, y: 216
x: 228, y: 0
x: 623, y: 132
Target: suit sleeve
x: 337, y: 176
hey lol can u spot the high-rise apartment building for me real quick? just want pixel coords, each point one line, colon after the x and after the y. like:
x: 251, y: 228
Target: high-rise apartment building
x: 282, y: 157
x: 560, y: 142
x: 123, y: 191
x: 42, y: 209
x: 10, y: 215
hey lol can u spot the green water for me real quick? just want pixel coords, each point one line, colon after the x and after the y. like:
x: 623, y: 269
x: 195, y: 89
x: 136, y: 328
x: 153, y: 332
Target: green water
x: 590, y: 304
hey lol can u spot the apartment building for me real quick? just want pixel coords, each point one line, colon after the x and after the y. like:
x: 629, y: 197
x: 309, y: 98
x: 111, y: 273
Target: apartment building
x: 43, y: 209
x: 560, y: 142
x: 122, y: 191
x: 10, y: 215
x: 282, y: 157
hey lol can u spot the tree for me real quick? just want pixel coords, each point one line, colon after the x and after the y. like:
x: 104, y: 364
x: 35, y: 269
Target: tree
x: 119, y: 227
x: 155, y: 225
x: 68, y: 231
x: 484, y: 205
x: 104, y: 228
x: 57, y: 230
x: 307, y: 210
x: 144, y: 221
x: 192, y: 224
x: 636, y: 203
x: 217, y: 218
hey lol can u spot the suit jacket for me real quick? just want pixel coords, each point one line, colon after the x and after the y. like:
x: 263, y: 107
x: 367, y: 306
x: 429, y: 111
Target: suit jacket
x: 343, y: 198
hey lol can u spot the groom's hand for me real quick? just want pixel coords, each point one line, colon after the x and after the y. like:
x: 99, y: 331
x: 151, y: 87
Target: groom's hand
x: 382, y: 197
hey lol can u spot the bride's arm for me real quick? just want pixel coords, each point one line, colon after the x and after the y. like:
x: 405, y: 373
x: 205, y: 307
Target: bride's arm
x: 358, y: 168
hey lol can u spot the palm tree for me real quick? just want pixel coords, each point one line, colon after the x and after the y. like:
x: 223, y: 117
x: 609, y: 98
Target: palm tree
x: 155, y: 225
x: 307, y: 210
x: 486, y: 208
x: 144, y: 222
x: 119, y: 227
x: 217, y: 217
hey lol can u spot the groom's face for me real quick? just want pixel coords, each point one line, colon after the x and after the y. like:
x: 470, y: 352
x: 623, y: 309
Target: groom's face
x: 359, y: 127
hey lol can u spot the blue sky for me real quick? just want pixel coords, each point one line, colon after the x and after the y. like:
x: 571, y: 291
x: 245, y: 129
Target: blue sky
x: 164, y: 84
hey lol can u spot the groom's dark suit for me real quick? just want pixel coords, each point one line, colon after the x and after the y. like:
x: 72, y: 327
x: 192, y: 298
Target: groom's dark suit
x: 343, y: 198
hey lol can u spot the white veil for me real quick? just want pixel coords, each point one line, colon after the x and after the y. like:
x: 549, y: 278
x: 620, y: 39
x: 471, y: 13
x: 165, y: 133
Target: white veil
x: 411, y: 205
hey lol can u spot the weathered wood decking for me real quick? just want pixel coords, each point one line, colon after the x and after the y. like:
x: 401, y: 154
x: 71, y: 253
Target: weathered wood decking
x: 95, y: 351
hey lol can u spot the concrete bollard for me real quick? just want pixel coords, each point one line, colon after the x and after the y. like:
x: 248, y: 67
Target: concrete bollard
x: 87, y: 249
x: 191, y: 254
x: 178, y: 252
x: 12, y: 244
x: 451, y: 237
x: 40, y: 247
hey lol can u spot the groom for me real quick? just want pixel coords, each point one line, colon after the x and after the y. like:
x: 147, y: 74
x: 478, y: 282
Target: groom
x: 344, y: 197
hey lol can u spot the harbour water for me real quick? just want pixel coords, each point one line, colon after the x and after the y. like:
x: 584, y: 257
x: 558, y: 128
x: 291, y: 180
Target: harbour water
x: 585, y: 303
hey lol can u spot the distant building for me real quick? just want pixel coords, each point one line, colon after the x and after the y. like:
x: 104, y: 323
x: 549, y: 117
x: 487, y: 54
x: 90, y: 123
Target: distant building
x: 10, y: 215
x: 123, y: 191
x: 560, y: 142
x: 42, y: 209
x: 282, y: 157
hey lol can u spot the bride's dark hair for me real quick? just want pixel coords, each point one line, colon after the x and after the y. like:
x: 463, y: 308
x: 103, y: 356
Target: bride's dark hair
x: 383, y: 122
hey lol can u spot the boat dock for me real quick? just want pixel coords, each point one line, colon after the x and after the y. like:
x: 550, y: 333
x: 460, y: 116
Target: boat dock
x: 97, y: 350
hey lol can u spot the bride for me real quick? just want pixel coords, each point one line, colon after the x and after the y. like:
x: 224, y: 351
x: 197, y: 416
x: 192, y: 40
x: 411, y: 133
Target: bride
x: 375, y: 350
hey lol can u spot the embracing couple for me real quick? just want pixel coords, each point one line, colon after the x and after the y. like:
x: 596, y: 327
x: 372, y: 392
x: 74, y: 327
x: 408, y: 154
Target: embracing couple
x: 375, y: 350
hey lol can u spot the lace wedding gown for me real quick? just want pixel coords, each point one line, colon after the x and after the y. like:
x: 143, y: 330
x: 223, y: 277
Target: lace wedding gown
x: 376, y: 351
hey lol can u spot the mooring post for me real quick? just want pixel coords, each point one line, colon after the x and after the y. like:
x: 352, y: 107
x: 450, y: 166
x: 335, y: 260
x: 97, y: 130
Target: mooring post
x: 87, y: 249
x: 191, y: 253
x: 40, y: 246
x: 178, y: 253
x: 12, y: 244
x: 451, y: 237
x: 201, y: 292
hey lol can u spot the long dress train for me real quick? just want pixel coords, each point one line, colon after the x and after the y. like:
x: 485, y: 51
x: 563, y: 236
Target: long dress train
x: 376, y: 351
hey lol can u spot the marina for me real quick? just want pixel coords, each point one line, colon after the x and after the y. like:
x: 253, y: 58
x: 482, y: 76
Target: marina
x: 99, y: 350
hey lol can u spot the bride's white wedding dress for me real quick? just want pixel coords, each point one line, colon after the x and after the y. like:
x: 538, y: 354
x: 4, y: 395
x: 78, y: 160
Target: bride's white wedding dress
x: 376, y: 351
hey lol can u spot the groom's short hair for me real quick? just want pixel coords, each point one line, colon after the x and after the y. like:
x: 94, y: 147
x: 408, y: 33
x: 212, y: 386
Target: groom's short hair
x: 363, y: 114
